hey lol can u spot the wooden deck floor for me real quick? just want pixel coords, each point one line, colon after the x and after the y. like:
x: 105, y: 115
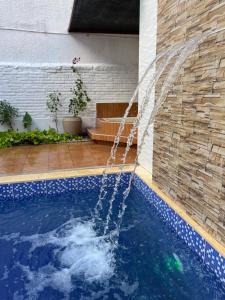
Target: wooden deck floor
x: 42, y: 158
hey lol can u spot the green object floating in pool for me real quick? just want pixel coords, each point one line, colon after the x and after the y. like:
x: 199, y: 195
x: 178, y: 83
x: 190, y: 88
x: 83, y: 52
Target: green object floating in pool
x: 173, y: 263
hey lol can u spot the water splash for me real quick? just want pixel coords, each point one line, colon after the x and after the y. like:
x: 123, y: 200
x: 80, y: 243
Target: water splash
x: 77, y: 253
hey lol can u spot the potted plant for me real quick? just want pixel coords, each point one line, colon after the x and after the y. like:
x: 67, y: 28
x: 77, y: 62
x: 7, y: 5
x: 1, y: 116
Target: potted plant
x: 77, y: 103
x: 27, y: 121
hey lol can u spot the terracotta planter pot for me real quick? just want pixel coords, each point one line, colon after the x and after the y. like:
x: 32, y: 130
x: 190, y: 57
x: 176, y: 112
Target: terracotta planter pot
x: 72, y: 125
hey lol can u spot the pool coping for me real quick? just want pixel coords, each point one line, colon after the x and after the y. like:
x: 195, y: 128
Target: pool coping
x: 141, y: 172
x: 67, y: 173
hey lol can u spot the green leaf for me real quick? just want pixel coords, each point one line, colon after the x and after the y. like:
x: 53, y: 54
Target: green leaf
x: 79, y: 100
x: 7, y: 114
x: 35, y: 137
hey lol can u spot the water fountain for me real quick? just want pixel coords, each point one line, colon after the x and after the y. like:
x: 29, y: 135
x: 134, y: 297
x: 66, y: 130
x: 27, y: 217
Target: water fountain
x: 180, y: 53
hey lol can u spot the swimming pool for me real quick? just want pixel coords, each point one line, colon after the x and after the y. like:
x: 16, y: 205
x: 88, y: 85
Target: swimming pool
x: 50, y: 249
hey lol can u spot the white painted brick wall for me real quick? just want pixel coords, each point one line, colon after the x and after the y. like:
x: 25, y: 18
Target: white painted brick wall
x: 147, y: 53
x: 30, y: 61
x: 27, y: 86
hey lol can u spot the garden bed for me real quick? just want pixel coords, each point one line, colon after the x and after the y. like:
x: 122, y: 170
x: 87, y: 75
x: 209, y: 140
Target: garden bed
x: 35, y: 137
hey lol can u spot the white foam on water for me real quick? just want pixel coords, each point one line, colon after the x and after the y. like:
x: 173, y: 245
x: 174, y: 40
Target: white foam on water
x: 78, y: 253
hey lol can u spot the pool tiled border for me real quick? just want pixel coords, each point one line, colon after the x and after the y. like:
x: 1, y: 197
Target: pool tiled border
x: 19, y: 187
x: 202, y: 243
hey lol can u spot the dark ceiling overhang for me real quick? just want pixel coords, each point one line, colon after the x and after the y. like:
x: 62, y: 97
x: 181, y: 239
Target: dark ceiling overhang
x: 105, y: 16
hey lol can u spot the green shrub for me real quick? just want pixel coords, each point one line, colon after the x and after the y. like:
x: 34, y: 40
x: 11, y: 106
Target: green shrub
x: 34, y: 137
x: 27, y: 121
x: 53, y: 104
x: 7, y: 114
x: 79, y: 100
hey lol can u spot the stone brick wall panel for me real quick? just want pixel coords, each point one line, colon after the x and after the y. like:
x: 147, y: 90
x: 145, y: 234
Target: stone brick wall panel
x: 189, y: 132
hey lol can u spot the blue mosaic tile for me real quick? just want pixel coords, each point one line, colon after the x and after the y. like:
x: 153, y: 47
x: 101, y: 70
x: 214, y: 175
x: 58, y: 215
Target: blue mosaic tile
x: 196, y: 243
x: 78, y: 184
x: 83, y: 183
x: 6, y: 192
x: 183, y: 230
x: 191, y: 238
x: 161, y: 206
x: 144, y: 189
x: 169, y: 216
x: 59, y: 186
x: 215, y: 262
x: 29, y: 189
x: 56, y: 186
x: 210, y: 257
x: 125, y: 178
x: 111, y: 180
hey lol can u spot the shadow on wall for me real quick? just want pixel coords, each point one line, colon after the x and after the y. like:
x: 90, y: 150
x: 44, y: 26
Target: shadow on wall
x: 39, y: 48
x: 108, y: 49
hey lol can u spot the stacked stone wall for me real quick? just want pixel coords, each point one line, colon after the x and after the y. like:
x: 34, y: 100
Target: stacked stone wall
x: 189, y: 132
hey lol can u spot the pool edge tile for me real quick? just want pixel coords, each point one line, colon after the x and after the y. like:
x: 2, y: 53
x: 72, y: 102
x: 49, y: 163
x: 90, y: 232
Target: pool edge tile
x: 64, y: 174
x: 146, y: 177
x: 205, y: 246
x: 6, y: 192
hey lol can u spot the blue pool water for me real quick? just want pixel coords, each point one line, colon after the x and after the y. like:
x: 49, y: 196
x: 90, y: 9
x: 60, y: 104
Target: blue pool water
x: 50, y: 249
